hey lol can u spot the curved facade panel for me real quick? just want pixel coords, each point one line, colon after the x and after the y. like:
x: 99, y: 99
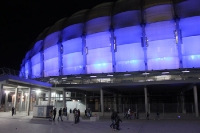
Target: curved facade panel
x: 72, y: 56
x: 127, y: 35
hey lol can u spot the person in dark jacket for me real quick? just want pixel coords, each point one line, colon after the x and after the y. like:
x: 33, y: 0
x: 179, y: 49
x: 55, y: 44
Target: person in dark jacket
x: 13, y: 110
x: 117, y: 120
x: 75, y: 116
x: 60, y: 114
x: 54, y: 114
x: 113, y: 116
x: 78, y: 115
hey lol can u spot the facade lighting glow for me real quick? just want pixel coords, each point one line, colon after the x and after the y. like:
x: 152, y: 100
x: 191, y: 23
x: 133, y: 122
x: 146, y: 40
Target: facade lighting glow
x: 165, y: 72
x: 127, y: 74
x: 145, y: 73
x: 185, y: 71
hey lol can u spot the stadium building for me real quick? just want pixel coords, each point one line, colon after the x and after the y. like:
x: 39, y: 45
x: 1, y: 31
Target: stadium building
x: 137, y: 54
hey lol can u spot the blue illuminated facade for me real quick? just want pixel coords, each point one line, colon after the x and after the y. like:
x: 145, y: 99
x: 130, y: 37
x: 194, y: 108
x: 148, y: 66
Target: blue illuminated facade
x: 128, y: 35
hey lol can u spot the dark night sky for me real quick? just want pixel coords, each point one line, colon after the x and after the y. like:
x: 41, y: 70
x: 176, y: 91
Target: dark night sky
x: 22, y: 21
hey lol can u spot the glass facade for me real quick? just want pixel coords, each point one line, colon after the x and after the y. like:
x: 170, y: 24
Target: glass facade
x: 113, y: 39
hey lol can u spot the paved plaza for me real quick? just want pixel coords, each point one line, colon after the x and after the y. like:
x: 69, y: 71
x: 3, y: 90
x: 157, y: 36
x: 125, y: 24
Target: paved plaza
x: 26, y: 124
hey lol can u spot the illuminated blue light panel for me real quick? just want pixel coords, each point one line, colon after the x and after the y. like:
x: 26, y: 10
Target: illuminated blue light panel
x: 22, y: 72
x: 37, y: 48
x: 159, y: 13
x: 35, y: 62
x: 128, y: 35
x: 73, y: 63
x: 190, y: 26
x: 51, y: 40
x: 36, y: 70
x: 191, y: 51
x: 51, y: 52
x: 72, y: 46
x: 99, y: 57
x: 98, y: 40
x: 162, y: 54
x: 75, y: 31
x: 26, y: 69
x: 72, y: 56
x: 126, y: 19
x: 99, y: 60
x: 129, y: 57
x: 51, y: 67
x: 163, y: 63
x: 98, y: 25
x: 160, y: 30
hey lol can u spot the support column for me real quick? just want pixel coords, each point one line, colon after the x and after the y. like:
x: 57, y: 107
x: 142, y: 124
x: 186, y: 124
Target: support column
x: 102, y: 104
x: 115, y: 103
x: 60, y: 52
x: 64, y: 98
x: 196, y: 101
x: 16, y: 99
x: 146, y: 100
x: 1, y: 93
x: 183, y: 103
x: 6, y: 101
x: 29, y: 101
x: 84, y: 53
x: 113, y: 49
x: 36, y: 98
x: 49, y: 99
x: 21, y: 101
x: 177, y: 35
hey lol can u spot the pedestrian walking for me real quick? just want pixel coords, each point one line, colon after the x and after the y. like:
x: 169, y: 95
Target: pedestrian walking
x: 60, y: 114
x: 113, y: 116
x: 13, y: 110
x: 54, y: 114
x: 117, y: 120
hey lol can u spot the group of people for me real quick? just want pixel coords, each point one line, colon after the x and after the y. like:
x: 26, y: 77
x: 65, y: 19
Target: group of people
x: 115, y: 121
x: 61, y: 112
x: 76, y: 115
x: 129, y: 114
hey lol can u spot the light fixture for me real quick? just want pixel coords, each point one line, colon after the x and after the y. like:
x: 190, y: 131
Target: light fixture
x: 185, y: 71
x: 93, y: 76
x: 26, y: 94
x: 165, y: 72
x: 7, y: 92
x: 145, y: 73
x: 109, y: 75
x: 127, y: 74
x: 38, y: 91
x: 64, y: 78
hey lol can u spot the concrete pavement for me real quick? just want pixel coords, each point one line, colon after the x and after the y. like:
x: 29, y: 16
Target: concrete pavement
x: 21, y: 123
